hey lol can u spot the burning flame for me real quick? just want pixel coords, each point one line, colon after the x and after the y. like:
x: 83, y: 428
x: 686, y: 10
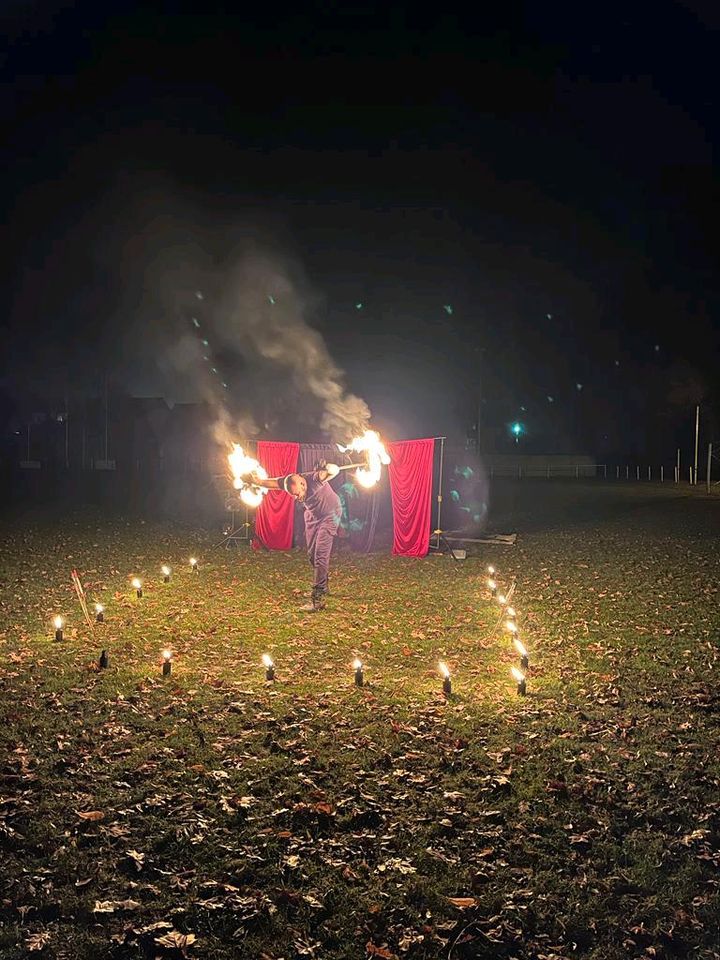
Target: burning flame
x: 520, y: 647
x: 357, y: 664
x: 136, y: 583
x: 371, y: 445
x: 165, y: 570
x: 267, y: 660
x: 491, y: 570
x: 252, y: 496
x: 58, y: 622
x: 492, y: 585
x: 242, y: 466
x: 511, y: 612
x: 518, y: 675
x: 511, y: 626
x: 99, y: 608
x: 501, y: 599
x: 167, y: 654
x: 444, y: 669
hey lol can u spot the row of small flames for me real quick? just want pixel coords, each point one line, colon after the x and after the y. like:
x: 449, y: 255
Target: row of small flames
x: 509, y: 613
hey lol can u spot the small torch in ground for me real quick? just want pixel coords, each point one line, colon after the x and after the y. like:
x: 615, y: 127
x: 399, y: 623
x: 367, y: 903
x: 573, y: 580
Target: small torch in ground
x: 165, y: 570
x: 194, y: 565
x: 445, y: 674
x: 492, y: 586
x: 358, y: 668
x: 58, y: 624
x: 269, y: 666
x: 167, y: 663
x: 99, y: 613
x: 524, y: 658
x: 519, y: 678
x: 137, y: 586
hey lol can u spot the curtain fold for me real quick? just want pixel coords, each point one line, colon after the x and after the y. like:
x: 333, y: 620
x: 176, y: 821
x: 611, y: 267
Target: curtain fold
x: 274, y: 518
x: 411, y: 473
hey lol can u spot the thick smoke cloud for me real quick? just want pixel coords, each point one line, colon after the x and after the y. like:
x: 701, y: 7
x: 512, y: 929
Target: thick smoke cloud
x: 262, y: 314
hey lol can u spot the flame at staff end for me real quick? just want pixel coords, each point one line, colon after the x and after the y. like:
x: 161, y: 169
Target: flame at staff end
x: 242, y: 466
x: 371, y: 445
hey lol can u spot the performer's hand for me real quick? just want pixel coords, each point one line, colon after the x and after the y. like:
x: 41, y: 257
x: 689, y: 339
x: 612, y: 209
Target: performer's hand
x: 332, y: 470
x: 321, y: 465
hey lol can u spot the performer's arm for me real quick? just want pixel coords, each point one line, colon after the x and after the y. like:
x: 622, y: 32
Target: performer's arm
x: 270, y: 483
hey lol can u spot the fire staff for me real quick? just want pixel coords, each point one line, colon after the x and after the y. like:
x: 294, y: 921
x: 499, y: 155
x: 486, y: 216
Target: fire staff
x: 322, y: 519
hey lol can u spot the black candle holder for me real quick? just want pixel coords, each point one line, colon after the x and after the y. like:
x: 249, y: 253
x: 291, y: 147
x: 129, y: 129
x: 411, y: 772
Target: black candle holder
x: 104, y: 660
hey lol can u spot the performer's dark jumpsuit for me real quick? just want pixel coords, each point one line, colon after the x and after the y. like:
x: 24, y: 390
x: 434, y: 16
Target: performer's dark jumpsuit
x: 322, y: 519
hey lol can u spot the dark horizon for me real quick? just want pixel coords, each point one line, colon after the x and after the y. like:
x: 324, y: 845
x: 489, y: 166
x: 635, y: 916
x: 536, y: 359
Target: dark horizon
x: 547, y: 176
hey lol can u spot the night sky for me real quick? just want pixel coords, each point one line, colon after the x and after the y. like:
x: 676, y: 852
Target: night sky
x: 522, y: 199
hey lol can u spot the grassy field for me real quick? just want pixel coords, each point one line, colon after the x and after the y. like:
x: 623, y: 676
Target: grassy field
x: 211, y: 814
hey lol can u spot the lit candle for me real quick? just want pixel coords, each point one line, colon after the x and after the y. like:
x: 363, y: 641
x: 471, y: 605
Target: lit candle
x: 194, y: 565
x: 99, y: 613
x: 358, y: 668
x: 445, y: 674
x: 501, y: 599
x: 519, y: 677
x: 491, y: 570
x: 103, y: 661
x: 166, y: 573
x: 269, y: 666
x: 58, y: 624
x: 511, y: 613
x: 524, y: 658
x: 137, y: 584
x: 492, y: 586
x: 167, y: 663
x: 511, y: 626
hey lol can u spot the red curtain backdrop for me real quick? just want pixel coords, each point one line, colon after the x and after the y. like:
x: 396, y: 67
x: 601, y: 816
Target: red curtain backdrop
x: 274, y: 519
x: 411, y: 473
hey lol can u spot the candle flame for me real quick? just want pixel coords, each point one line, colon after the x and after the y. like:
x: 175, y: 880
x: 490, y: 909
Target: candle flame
x: 165, y: 570
x: 518, y: 675
x: 492, y: 585
x: 267, y: 660
x: 136, y: 583
x: 520, y: 647
x: 511, y: 626
x: 511, y: 612
x: 371, y: 445
x: 58, y: 622
x: 242, y: 466
x: 444, y: 669
x: 99, y: 608
x: 193, y: 562
x: 501, y: 599
x: 491, y: 570
x: 357, y: 664
x: 167, y: 654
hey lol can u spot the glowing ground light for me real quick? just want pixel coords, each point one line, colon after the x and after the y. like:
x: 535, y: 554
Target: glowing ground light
x: 358, y: 306
x: 58, y: 624
x: 517, y: 429
x: 447, y: 307
x: 519, y: 678
x: 491, y: 570
x: 444, y: 671
x: 137, y: 586
x: 99, y: 613
x: 269, y: 666
x: 194, y: 565
x: 166, y: 571
x: 358, y: 668
x: 524, y: 656
x: 167, y: 662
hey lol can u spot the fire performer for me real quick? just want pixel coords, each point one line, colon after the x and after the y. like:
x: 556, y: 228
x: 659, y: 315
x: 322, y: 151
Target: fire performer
x: 322, y: 519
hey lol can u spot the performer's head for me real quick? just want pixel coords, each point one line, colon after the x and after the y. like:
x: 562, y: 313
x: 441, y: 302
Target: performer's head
x: 296, y: 486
